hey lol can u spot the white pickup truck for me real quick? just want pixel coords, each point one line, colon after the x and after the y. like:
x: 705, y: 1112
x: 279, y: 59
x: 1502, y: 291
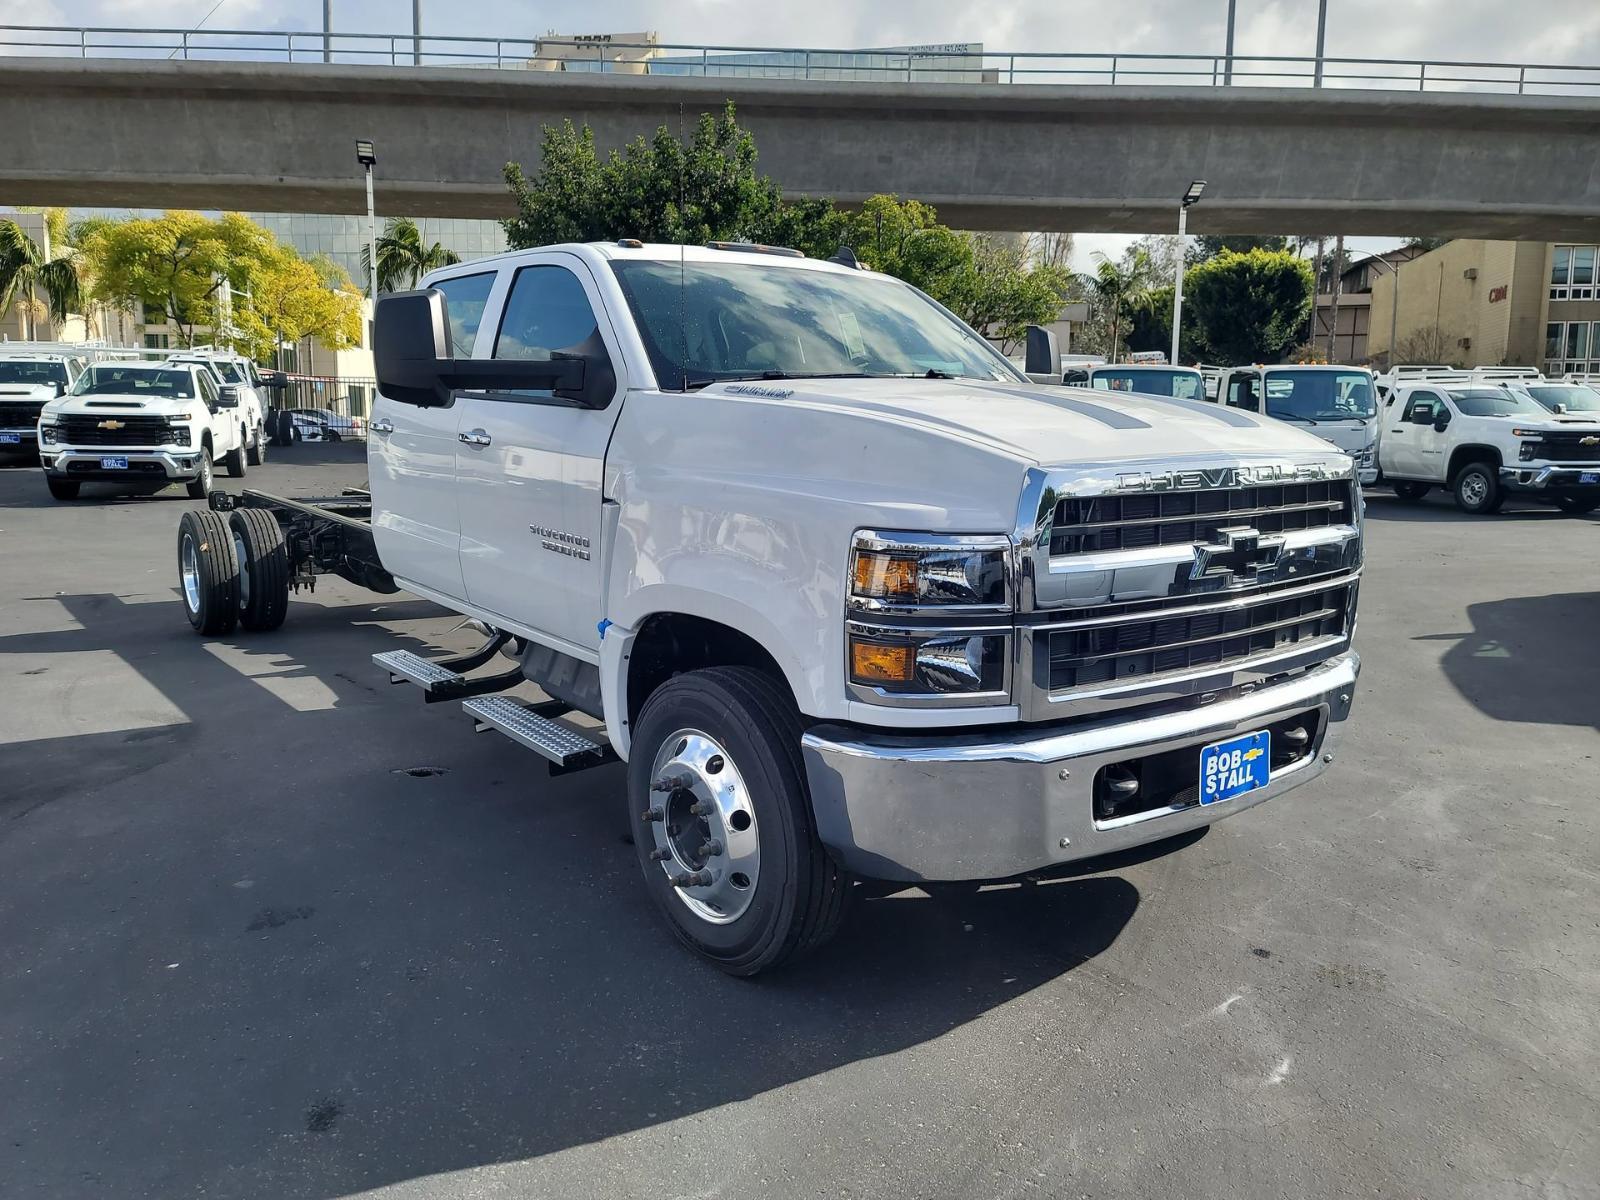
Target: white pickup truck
x: 143, y: 425
x: 1483, y: 441
x: 27, y: 383
x: 851, y: 597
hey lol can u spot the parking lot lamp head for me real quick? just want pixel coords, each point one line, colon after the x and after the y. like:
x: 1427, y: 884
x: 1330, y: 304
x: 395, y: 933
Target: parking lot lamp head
x: 364, y: 153
x: 1193, y: 194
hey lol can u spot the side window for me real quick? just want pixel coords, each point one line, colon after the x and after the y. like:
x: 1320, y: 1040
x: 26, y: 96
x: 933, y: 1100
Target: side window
x: 464, y: 300
x: 208, y: 390
x: 547, y: 311
x: 1242, y: 393
x: 1421, y: 408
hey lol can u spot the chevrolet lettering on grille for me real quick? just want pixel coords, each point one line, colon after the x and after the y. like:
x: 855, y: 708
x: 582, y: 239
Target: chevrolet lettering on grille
x: 1235, y: 559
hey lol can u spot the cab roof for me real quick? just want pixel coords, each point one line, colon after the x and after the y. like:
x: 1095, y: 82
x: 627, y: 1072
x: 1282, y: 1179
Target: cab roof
x: 633, y: 250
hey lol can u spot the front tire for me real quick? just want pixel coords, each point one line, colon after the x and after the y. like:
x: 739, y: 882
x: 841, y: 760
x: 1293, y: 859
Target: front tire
x: 200, y: 486
x: 1577, y: 505
x: 263, y: 592
x: 257, y: 454
x: 1410, y: 489
x: 1477, y: 489
x: 234, y: 459
x: 728, y: 738
x: 208, y: 573
x: 62, y: 489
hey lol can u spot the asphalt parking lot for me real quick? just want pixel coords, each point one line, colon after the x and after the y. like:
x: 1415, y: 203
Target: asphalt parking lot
x: 248, y: 955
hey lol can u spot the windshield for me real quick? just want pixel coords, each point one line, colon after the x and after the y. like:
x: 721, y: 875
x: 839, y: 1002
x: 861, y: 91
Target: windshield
x: 50, y: 373
x: 702, y: 323
x: 1184, y: 385
x: 135, y: 381
x: 1576, y: 399
x: 1495, y: 402
x: 1320, y: 396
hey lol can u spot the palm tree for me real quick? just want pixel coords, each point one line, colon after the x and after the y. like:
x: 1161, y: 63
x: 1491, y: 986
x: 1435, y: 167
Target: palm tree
x: 1120, y: 287
x: 26, y: 268
x: 402, y: 257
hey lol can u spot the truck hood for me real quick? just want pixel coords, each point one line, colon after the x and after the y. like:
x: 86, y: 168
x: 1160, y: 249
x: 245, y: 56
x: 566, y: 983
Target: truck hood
x: 1043, y: 425
x: 103, y: 405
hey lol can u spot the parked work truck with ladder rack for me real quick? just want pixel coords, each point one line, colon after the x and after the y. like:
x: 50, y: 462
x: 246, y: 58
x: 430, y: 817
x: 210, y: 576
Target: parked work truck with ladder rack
x: 851, y: 597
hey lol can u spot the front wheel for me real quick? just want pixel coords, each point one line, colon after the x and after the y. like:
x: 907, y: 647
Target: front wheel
x: 1410, y: 489
x: 257, y: 454
x: 208, y: 573
x: 200, y: 486
x: 62, y: 489
x: 1477, y: 489
x: 1578, y: 505
x: 722, y: 821
x: 234, y: 459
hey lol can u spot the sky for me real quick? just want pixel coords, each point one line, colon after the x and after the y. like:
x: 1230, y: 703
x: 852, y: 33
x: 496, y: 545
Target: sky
x: 1534, y: 31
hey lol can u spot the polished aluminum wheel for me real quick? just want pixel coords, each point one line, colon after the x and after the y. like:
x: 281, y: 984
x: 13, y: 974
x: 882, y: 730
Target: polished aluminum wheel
x: 244, y: 571
x: 706, y: 840
x: 189, y: 569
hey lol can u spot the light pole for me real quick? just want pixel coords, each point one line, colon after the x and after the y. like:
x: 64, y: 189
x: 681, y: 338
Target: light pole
x: 1322, y: 38
x: 368, y: 158
x: 327, y: 31
x: 1189, y: 197
x: 1227, y: 67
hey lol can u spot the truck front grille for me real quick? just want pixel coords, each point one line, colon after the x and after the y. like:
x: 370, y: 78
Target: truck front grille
x: 1569, y: 447
x: 130, y: 431
x: 19, y: 415
x: 1107, y: 650
x: 1087, y: 524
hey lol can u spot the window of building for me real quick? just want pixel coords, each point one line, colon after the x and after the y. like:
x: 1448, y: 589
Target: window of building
x: 1573, y: 272
x: 1577, y: 339
x: 1582, y: 273
x: 1554, y: 340
x: 157, y: 341
x: 1560, y: 269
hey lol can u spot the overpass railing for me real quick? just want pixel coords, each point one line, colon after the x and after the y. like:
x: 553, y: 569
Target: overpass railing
x: 956, y: 63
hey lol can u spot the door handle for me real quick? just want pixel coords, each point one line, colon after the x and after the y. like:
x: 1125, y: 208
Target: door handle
x: 1400, y: 429
x: 382, y: 425
x: 475, y: 437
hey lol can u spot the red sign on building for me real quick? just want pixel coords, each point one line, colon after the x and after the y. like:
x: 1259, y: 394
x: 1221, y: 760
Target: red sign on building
x: 1497, y: 294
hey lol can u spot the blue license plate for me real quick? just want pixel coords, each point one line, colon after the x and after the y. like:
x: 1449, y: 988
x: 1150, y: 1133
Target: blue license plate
x: 119, y: 463
x: 1589, y: 477
x: 1234, y: 767
x: 10, y: 439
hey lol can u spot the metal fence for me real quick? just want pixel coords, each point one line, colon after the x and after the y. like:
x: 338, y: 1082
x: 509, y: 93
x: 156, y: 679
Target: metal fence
x: 917, y: 64
x: 341, y: 404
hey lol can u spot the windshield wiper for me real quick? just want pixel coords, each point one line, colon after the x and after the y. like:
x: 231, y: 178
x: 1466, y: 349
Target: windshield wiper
x: 1293, y: 417
x: 813, y: 375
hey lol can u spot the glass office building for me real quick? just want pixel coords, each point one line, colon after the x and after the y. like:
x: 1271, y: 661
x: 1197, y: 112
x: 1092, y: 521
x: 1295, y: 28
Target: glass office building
x: 342, y: 238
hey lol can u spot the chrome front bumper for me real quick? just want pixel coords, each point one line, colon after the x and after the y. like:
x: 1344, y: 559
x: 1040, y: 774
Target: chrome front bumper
x: 1540, y: 478
x: 975, y: 806
x: 176, y: 462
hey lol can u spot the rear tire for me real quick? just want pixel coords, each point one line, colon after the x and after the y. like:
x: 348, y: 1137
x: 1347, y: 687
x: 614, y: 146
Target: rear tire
x: 798, y: 894
x: 263, y: 569
x: 208, y: 573
x: 1577, y: 505
x: 286, y: 430
x: 1410, y: 489
x: 200, y: 486
x: 1477, y: 489
x: 62, y: 489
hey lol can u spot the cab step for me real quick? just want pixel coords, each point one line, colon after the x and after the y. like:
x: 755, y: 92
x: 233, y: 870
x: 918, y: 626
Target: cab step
x: 439, y: 681
x: 567, y: 749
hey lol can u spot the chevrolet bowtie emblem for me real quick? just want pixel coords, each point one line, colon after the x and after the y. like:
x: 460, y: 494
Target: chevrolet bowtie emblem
x: 1236, y: 558
x: 112, y: 424
x: 1589, y: 441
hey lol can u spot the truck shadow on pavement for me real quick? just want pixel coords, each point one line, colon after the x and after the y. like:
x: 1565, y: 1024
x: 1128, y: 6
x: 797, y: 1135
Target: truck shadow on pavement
x: 1531, y: 659
x: 257, y: 955
x: 1438, y: 507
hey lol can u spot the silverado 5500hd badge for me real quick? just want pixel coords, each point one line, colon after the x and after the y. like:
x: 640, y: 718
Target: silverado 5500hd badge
x: 561, y: 542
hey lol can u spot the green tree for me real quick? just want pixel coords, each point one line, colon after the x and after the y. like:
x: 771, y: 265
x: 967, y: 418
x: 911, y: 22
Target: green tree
x: 1117, y: 288
x: 999, y: 294
x: 291, y: 299
x: 1207, y: 246
x: 27, y: 268
x: 1248, y: 307
x: 403, y: 258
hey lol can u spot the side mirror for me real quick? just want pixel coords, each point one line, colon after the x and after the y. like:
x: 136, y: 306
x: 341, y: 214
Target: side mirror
x: 61, y: 388
x: 274, y: 380
x: 1043, y: 356
x: 1441, y: 420
x: 1560, y: 409
x: 228, y: 396
x: 414, y: 365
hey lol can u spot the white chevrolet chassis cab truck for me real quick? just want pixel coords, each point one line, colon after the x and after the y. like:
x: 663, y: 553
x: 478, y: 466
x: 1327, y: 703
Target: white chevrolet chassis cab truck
x: 854, y: 600
x: 1483, y: 441
x: 145, y: 425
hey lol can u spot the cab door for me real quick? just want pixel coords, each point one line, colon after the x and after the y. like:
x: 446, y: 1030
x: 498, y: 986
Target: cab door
x: 1403, y: 439
x: 529, y: 465
x: 411, y: 461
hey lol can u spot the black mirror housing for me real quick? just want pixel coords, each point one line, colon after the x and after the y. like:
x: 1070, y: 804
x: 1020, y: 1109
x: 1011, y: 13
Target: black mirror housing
x: 1441, y: 422
x: 1043, y: 356
x: 228, y: 396
x: 414, y: 366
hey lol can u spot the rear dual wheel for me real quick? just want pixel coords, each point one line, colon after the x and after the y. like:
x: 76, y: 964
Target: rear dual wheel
x: 208, y: 573
x: 263, y: 558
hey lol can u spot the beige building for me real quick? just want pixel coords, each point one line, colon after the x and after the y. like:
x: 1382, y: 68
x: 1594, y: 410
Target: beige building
x: 1479, y: 303
x: 17, y: 324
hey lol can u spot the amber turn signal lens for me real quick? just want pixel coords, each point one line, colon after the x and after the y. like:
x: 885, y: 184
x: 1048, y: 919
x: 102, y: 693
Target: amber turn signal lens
x: 875, y: 662
x: 885, y: 577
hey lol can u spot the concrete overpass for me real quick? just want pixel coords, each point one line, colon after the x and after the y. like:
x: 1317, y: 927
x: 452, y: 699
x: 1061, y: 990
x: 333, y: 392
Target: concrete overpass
x: 279, y: 137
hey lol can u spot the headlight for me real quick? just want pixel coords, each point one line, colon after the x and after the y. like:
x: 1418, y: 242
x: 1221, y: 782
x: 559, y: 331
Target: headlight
x: 47, y: 432
x: 921, y: 585
x: 909, y: 572
x: 1527, y: 450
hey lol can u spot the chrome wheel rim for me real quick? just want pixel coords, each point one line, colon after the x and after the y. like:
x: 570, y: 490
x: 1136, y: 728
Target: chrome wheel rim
x: 706, y: 832
x: 189, y: 571
x: 1474, y: 489
x: 244, y: 572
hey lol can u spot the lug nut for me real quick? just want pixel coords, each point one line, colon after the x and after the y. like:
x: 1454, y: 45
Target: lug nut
x: 703, y: 808
x: 660, y: 855
x: 671, y: 783
x: 692, y: 879
x: 653, y: 814
x: 711, y: 849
